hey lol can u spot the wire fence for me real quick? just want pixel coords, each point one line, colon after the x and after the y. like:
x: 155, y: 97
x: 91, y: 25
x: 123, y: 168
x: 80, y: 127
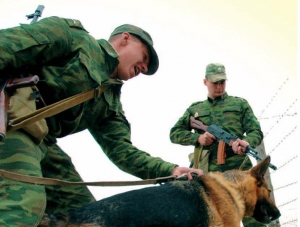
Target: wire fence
x: 279, y: 124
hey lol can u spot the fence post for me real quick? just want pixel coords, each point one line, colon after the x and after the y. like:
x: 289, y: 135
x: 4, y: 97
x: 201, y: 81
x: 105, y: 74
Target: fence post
x: 262, y: 153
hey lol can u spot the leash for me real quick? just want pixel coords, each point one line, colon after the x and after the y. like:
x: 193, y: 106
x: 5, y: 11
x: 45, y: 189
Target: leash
x: 52, y: 181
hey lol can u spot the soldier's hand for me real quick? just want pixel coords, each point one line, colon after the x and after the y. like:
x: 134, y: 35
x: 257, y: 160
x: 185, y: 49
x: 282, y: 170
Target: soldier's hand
x: 178, y: 171
x: 239, y: 146
x: 206, y: 139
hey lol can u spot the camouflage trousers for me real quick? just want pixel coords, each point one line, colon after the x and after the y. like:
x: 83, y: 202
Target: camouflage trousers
x: 23, y: 204
x: 235, y: 162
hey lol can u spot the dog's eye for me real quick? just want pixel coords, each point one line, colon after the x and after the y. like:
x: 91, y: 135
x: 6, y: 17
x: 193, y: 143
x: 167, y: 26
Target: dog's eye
x: 266, y: 187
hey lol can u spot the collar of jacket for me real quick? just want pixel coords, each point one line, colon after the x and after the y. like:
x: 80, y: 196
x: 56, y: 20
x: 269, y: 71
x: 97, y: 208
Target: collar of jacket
x: 111, y: 60
x: 222, y: 97
x: 108, y: 48
x: 112, y: 95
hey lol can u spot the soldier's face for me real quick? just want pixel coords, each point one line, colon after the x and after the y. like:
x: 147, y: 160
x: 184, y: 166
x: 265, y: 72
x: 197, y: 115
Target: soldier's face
x: 215, y: 89
x: 133, y: 58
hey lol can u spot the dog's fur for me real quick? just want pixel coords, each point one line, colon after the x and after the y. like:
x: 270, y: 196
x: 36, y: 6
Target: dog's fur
x: 215, y: 199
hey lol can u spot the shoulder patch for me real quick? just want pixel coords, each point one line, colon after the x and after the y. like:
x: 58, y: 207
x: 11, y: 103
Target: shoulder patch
x: 75, y: 23
x: 196, y: 103
x: 239, y: 98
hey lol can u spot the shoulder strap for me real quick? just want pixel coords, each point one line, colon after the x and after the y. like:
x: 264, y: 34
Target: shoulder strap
x: 197, y: 155
x: 54, y: 108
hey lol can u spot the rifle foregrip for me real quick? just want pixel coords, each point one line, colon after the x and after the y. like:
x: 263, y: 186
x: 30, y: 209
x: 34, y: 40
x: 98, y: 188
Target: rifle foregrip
x: 249, y: 149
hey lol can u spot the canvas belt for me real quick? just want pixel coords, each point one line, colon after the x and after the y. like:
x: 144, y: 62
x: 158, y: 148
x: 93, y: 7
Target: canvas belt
x: 54, y: 108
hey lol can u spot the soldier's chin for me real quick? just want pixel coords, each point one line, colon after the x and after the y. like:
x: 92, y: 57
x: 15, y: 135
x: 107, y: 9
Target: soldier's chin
x: 219, y: 93
x: 124, y: 76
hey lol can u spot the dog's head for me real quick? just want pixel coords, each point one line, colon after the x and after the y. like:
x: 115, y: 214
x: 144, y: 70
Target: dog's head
x: 264, y: 210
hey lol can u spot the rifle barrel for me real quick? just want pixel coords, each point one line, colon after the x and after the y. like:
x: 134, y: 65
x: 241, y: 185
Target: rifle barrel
x: 35, y: 16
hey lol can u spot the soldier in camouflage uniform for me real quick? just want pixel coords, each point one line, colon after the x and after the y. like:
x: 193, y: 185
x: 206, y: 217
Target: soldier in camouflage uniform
x: 233, y: 114
x: 69, y: 61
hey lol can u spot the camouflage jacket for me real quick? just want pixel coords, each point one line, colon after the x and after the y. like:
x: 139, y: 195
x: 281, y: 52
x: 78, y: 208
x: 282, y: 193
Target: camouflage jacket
x: 69, y: 61
x: 233, y: 114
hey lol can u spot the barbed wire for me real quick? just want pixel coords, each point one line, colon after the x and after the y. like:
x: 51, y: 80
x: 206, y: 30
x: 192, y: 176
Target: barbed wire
x: 293, y: 158
x: 281, y: 116
x: 277, y: 116
x: 289, y: 222
x: 284, y: 186
x: 284, y: 204
x: 267, y: 106
x: 284, y: 138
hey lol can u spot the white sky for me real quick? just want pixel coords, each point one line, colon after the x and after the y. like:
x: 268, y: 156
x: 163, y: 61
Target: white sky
x: 256, y: 40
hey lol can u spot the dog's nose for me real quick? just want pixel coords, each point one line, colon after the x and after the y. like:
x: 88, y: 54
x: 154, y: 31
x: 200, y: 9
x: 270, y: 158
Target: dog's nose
x: 277, y: 215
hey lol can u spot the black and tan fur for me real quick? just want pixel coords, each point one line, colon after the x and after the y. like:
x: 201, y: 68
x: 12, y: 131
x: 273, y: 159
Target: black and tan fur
x: 215, y: 199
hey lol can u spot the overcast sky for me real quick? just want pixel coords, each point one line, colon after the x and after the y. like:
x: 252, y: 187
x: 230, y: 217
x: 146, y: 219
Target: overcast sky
x: 256, y: 40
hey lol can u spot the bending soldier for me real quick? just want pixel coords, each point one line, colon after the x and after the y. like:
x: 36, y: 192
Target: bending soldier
x: 69, y: 61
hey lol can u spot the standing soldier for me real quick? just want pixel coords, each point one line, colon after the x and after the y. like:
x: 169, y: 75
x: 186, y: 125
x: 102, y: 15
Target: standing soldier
x: 232, y: 114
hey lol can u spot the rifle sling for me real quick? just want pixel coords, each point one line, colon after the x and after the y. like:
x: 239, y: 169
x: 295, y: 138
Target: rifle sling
x: 197, y: 154
x: 52, y: 181
x: 54, y: 108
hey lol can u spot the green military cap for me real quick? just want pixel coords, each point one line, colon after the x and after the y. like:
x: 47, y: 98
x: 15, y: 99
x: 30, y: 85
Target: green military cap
x: 215, y: 72
x: 144, y: 36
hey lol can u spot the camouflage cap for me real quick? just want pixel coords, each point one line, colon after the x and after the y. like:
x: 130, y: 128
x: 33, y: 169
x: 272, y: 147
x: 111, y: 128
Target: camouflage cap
x: 215, y: 72
x: 146, y: 38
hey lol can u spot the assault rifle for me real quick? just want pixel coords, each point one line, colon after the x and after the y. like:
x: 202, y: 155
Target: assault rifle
x: 228, y: 138
x: 9, y: 85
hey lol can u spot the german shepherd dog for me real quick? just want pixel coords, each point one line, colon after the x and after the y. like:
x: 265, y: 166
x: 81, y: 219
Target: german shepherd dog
x: 215, y: 199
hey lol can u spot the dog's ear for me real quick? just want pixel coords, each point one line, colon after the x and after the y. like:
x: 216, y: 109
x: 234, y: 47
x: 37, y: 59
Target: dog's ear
x: 260, y: 169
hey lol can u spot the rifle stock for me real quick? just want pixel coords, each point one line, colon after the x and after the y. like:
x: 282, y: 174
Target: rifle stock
x: 195, y: 124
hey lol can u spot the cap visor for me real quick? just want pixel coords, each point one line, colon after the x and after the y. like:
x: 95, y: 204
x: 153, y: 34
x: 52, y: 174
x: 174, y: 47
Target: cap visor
x: 154, y: 62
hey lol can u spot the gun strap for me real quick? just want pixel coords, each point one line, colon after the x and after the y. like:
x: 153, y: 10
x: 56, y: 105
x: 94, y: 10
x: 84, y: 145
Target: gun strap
x: 197, y: 154
x: 54, y: 108
x: 221, y: 155
x: 52, y: 181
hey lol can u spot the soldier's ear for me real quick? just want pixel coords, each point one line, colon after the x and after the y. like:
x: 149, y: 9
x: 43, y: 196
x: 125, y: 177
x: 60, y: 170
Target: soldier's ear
x: 125, y: 38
